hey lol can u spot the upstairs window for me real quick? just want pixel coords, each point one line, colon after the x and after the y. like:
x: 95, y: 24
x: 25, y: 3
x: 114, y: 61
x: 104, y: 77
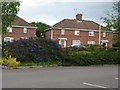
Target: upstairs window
x: 9, y: 29
x: 25, y: 30
x: 104, y: 34
x: 91, y: 33
x: 77, y: 33
x: 62, y: 32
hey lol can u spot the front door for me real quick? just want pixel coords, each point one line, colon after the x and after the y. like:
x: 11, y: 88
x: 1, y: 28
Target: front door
x: 104, y: 44
x: 62, y: 43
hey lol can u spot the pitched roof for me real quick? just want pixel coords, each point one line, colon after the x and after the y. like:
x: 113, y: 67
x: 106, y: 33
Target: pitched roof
x: 73, y: 23
x: 21, y: 22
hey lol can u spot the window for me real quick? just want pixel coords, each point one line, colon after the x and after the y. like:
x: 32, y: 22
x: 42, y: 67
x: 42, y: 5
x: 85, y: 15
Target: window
x: 76, y: 42
x: 24, y: 38
x: 91, y: 42
x: 62, y: 41
x: 91, y: 33
x: 62, y: 32
x: 77, y: 33
x: 8, y: 39
x: 25, y: 30
x: 104, y: 34
x: 9, y: 29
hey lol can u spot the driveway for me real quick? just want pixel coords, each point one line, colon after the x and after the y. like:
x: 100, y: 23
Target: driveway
x: 62, y: 77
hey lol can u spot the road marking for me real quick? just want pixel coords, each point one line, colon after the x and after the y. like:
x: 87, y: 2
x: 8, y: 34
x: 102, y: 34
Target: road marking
x: 95, y: 85
x: 117, y: 78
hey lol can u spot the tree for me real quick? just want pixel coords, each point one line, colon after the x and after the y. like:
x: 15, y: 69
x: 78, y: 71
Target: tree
x: 41, y: 27
x: 112, y: 20
x: 9, y: 11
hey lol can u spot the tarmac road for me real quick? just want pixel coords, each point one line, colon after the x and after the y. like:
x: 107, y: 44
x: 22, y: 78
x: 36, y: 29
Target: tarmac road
x: 61, y: 77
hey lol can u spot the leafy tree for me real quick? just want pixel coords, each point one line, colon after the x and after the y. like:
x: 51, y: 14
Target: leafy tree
x: 9, y: 11
x: 112, y: 20
x: 41, y: 27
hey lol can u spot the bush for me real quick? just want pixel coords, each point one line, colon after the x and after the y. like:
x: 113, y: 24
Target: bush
x: 117, y: 44
x: 32, y: 49
x: 10, y: 62
x: 95, y: 57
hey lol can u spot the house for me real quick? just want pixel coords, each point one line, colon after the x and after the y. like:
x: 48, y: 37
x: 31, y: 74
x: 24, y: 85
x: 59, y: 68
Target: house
x: 20, y: 29
x: 79, y: 32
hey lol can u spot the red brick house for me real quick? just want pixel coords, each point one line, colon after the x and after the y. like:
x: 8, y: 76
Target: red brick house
x: 20, y: 30
x: 79, y: 32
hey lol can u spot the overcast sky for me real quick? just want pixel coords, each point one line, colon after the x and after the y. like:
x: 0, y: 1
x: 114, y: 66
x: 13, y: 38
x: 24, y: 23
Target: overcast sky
x: 53, y: 11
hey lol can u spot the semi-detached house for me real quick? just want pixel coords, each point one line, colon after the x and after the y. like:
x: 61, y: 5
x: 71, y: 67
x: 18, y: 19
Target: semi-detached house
x: 79, y: 32
x: 20, y: 29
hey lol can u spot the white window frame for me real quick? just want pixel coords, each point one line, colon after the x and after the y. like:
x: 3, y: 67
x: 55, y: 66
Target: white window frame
x: 24, y: 38
x: 76, y: 42
x: 9, y: 29
x: 63, y: 39
x: 62, y: 31
x: 76, y: 32
x: 104, y: 34
x: 25, y: 30
x: 91, y: 33
x: 10, y: 39
x: 91, y: 42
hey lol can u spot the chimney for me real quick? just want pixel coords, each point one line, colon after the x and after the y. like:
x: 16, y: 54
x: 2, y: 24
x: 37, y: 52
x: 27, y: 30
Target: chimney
x: 79, y: 17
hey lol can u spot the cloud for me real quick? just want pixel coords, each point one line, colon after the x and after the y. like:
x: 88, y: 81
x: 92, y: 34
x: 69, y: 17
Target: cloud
x: 53, y: 11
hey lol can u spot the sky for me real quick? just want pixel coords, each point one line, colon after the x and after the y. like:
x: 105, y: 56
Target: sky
x: 53, y: 11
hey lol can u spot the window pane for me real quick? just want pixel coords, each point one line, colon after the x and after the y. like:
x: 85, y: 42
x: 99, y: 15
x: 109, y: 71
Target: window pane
x: 91, y: 33
x: 62, y: 32
x: 77, y: 32
x: 91, y: 42
x: 25, y: 30
x: 9, y: 29
x: 104, y: 34
x: 76, y: 42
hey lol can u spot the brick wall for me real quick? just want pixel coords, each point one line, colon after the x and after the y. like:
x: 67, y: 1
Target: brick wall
x: 48, y: 34
x: 83, y: 37
x: 18, y: 33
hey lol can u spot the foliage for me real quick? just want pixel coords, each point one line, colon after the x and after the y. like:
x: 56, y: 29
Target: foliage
x: 113, y: 20
x: 94, y: 57
x: 43, y: 63
x: 117, y: 44
x: 34, y: 49
x: 41, y: 27
x: 9, y: 11
x: 10, y: 62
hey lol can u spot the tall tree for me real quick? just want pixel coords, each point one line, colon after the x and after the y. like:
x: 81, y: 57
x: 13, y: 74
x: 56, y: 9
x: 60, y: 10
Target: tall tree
x: 9, y: 11
x: 112, y: 20
x: 41, y: 27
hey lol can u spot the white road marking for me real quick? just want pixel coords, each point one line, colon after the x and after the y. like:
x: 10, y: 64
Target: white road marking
x: 117, y: 78
x: 95, y: 85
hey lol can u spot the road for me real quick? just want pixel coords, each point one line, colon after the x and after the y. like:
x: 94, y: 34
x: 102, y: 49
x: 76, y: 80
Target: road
x: 62, y: 77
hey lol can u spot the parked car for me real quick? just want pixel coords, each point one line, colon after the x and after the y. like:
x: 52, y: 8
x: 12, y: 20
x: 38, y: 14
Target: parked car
x: 79, y: 46
x: 115, y: 48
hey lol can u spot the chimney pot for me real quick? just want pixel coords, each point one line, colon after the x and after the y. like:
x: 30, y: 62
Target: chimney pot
x: 79, y: 17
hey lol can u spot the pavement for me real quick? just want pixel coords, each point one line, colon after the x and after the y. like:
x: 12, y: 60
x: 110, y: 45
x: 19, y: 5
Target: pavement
x: 61, y: 77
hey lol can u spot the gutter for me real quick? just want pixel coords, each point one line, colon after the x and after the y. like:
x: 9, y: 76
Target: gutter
x: 24, y: 26
x: 75, y: 29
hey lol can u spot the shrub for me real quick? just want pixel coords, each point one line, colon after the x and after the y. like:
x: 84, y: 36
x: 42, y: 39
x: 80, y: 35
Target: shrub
x: 10, y: 62
x: 117, y: 44
x: 34, y: 49
x: 95, y: 57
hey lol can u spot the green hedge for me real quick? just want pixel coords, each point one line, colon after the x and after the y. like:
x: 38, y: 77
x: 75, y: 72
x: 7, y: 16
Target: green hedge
x: 95, y: 57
